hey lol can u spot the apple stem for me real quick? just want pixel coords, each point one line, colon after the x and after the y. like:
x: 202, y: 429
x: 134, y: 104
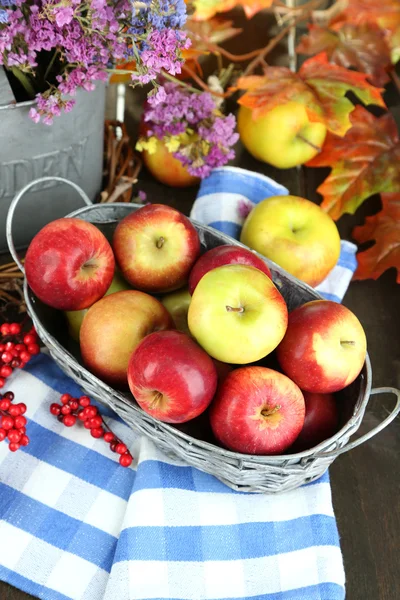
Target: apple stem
x: 347, y: 343
x: 156, y: 400
x: 306, y: 141
x: 238, y: 309
x: 267, y: 412
x: 160, y: 242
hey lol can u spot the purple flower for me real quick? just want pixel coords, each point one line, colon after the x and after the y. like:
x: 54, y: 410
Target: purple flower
x: 64, y: 15
x: 163, y: 52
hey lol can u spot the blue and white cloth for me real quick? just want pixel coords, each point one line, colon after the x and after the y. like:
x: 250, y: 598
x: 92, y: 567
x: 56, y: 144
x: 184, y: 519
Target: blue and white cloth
x: 74, y: 525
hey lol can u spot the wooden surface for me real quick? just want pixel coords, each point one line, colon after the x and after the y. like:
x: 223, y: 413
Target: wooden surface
x: 365, y: 482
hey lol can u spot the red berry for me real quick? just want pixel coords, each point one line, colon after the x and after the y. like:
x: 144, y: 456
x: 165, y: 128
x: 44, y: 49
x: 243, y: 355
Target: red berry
x: 14, y: 435
x: 9, y: 346
x: 3, y: 434
x: 24, y: 441
x: 29, y: 339
x: 113, y: 446
x: 22, y: 430
x: 33, y: 349
x: 97, y: 432
x: 6, y: 357
x: 65, y: 398
x: 2, y: 348
x: 13, y: 446
x: 65, y: 410
x: 73, y: 404
x: 84, y: 401
x: 14, y: 410
x: 2, y: 382
x: 9, y: 395
x: 20, y: 347
x: 5, y: 404
x: 86, y: 424
x: 6, y: 371
x: 5, y: 329
x: 7, y: 423
x: 69, y: 420
x: 121, y: 448
x: 55, y: 409
x: 15, y: 353
x: 20, y: 422
x: 89, y: 412
x: 125, y: 460
x: 25, y: 356
x: 95, y: 422
x: 15, y: 328
x: 109, y: 437
x: 22, y: 408
x: 60, y: 418
x: 15, y: 363
x: 81, y: 417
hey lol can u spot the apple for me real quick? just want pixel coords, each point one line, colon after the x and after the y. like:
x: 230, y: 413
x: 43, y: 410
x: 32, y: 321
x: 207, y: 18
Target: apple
x: 296, y: 234
x: 284, y: 137
x: 113, y: 327
x: 324, y: 347
x: 236, y: 314
x: 166, y: 168
x: 224, y: 255
x: 177, y: 304
x: 257, y: 411
x: 171, y: 377
x: 320, y: 423
x: 69, y: 264
x: 156, y: 247
x: 75, y: 317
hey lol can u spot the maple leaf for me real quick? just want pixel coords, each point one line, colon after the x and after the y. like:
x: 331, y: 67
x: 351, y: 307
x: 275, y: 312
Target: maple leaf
x: 319, y: 85
x: 384, y: 228
x: 365, y: 161
x: 214, y: 31
x: 363, y: 47
x: 205, y: 9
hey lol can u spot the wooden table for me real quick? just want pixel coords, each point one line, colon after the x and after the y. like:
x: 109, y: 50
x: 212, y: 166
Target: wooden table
x: 365, y: 482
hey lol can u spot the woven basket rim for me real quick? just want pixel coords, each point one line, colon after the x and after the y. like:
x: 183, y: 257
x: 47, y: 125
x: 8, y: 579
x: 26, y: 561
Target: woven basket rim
x: 316, y: 451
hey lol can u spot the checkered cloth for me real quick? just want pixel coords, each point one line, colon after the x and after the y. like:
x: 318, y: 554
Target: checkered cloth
x: 76, y: 525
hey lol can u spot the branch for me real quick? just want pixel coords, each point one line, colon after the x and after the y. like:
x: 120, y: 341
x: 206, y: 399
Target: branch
x: 203, y: 85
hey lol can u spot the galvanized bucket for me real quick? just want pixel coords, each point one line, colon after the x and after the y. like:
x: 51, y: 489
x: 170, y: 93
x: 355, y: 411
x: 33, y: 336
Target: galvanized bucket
x: 72, y: 148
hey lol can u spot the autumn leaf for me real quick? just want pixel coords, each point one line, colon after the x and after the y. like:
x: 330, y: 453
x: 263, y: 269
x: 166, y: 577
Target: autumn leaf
x: 205, y: 9
x: 319, y: 85
x: 214, y: 31
x: 384, y: 228
x: 363, y: 47
x: 123, y: 77
x: 365, y: 161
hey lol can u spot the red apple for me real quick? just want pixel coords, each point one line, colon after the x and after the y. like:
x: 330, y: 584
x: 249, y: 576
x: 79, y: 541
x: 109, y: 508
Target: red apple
x: 257, y: 411
x: 320, y: 423
x: 69, y: 264
x: 324, y: 347
x: 224, y: 255
x: 113, y: 327
x: 171, y: 377
x: 156, y: 247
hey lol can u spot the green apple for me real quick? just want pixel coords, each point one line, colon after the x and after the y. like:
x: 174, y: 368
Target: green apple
x: 296, y: 234
x: 177, y: 304
x: 283, y: 137
x: 75, y: 317
x: 237, y: 314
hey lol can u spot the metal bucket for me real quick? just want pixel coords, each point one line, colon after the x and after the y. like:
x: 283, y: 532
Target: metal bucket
x: 71, y: 148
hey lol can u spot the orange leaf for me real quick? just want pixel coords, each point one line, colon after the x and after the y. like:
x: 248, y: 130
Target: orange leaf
x: 384, y: 228
x: 205, y: 9
x: 319, y: 85
x: 365, y: 161
x: 363, y: 47
x: 123, y: 77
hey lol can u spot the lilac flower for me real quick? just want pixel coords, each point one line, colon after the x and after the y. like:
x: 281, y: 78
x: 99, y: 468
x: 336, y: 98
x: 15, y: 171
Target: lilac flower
x: 64, y: 15
x: 191, y: 127
x: 162, y: 53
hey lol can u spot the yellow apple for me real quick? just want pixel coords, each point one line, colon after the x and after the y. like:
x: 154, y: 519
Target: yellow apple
x: 296, y: 234
x: 166, y: 168
x: 75, y: 317
x: 177, y: 304
x: 283, y: 137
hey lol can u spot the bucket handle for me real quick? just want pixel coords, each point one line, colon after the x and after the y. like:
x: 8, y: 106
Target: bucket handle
x: 17, y: 198
x: 367, y: 436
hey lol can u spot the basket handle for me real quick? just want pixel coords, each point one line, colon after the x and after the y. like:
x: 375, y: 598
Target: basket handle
x: 367, y: 436
x: 17, y: 198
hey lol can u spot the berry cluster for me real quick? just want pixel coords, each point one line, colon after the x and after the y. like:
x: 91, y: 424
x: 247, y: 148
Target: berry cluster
x: 12, y: 422
x: 71, y: 410
x: 16, y: 349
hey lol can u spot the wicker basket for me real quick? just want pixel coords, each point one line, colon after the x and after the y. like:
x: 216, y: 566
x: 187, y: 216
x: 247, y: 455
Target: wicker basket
x: 266, y: 474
